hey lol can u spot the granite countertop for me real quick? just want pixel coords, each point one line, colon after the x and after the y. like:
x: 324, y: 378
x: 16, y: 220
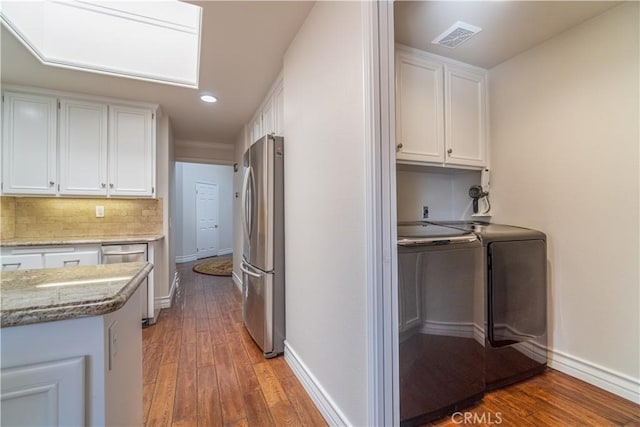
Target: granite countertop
x: 46, y: 295
x: 38, y: 241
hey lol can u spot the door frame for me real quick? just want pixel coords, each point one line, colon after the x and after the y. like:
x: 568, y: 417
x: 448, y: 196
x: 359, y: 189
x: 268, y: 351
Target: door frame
x: 380, y: 216
x: 198, y: 182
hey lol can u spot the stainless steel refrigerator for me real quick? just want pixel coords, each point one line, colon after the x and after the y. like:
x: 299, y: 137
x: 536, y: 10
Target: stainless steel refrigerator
x: 263, y: 248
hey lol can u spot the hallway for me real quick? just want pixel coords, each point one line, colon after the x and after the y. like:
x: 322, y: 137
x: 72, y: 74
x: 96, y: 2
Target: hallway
x: 201, y: 367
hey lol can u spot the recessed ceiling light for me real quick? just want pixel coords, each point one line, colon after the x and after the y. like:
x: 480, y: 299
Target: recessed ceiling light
x: 208, y: 98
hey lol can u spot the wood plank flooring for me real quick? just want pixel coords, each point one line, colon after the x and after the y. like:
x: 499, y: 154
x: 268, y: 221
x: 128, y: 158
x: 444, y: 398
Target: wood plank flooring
x: 552, y: 399
x: 201, y: 368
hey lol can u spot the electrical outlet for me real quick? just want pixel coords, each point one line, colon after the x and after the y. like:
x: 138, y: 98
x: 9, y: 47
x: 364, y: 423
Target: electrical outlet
x: 425, y: 212
x: 99, y: 211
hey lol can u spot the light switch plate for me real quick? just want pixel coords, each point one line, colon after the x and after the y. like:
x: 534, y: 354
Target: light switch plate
x: 99, y: 211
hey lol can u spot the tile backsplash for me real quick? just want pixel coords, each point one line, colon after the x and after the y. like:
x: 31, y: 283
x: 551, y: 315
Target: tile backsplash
x: 33, y: 217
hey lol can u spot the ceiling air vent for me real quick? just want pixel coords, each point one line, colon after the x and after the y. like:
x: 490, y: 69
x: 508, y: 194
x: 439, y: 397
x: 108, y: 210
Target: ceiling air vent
x: 456, y: 34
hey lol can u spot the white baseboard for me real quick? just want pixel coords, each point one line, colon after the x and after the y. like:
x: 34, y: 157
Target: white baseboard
x: 607, y: 379
x: 165, y: 302
x: 226, y: 251
x: 325, y: 404
x: 186, y: 258
x: 604, y: 378
x: 237, y: 280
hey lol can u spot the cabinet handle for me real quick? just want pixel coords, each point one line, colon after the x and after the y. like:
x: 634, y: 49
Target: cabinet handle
x: 103, y: 185
x: 398, y: 147
x: 51, y: 183
x: 71, y: 261
x: 110, y: 185
x: 12, y: 264
x: 449, y: 151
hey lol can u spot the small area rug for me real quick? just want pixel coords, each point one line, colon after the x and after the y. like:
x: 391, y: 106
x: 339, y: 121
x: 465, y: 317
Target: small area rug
x: 216, y: 267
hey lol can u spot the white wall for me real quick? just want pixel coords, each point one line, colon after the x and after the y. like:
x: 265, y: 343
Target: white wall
x: 444, y: 191
x: 565, y: 138
x: 204, y: 152
x: 326, y: 301
x: 187, y: 174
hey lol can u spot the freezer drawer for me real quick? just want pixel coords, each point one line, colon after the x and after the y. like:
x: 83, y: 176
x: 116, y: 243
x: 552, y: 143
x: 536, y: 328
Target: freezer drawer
x: 263, y: 309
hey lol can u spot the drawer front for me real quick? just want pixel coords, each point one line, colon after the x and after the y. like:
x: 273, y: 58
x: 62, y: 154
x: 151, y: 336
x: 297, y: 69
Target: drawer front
x: 71, y: 259
x: 21, y: 262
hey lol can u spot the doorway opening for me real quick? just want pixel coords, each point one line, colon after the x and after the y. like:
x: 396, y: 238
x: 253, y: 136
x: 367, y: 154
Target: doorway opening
x: 204, y: 211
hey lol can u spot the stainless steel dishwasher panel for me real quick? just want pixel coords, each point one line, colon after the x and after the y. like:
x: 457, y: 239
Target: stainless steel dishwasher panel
x: 114, y: 254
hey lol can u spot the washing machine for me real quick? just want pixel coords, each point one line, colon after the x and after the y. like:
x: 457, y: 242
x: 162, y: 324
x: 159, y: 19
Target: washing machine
x: 440, y: 322
x: 515, y: 279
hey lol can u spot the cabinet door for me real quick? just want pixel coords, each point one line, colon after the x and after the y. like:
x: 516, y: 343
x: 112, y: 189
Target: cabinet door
x: 278, y: 101
x: 257, y: 129
x: 21, y: 262
x: 419, y: 115
x: 71, y: 259
x: 268, y: 118
x: 131, y: 151
x: 465, y: 116
x: 29, y: 144
x: 50, y: 393
x: 83, y: 148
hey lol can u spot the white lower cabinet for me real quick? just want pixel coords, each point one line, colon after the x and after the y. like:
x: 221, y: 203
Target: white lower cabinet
x: 32, y: 257
x: 85, y: 371
x: 44, y: 394
x: 69, y: 259
x: 21, y: 262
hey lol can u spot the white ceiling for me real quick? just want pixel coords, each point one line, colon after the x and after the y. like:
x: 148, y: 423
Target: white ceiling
x: 243, y: 44
x: 508, y: 27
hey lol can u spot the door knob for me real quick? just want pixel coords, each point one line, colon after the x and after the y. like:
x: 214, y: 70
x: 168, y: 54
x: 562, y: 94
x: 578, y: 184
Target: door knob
x: 51, y: 183
x: 399, y: 147
x: 450, y: 150
x: 215, y: 226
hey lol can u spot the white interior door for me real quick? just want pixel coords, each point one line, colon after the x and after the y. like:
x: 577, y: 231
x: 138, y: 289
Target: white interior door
x: 207, y: 219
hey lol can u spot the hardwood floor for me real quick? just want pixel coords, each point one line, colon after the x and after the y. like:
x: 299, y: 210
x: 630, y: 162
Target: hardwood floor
x: 201, y: 368
x: 552, y: 399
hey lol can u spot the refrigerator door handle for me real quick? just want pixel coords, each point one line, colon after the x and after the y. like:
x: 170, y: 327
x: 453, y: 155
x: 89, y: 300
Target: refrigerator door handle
x: 245, y: 214
x: 246, y: 269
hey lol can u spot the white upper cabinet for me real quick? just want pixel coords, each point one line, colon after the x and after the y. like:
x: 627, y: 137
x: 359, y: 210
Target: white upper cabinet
x: 465, y: 110
x: 29, y: 144
x: 270, y: 116
x: 278, y: 110
x: 419, y: 98
x: 441, y: 111
x: 77, y: 146
x: 131, y: 151
x: 83, y: 147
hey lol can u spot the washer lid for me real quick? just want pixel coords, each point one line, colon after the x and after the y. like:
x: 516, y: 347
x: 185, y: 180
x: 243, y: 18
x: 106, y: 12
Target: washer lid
x: 421, y: 233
